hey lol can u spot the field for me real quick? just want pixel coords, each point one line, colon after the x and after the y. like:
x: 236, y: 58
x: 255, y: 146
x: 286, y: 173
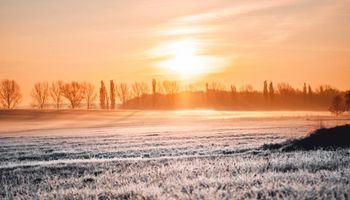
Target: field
x: 166, y: 155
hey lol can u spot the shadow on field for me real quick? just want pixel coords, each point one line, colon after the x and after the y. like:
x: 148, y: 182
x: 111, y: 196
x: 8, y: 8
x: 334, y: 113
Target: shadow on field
x: 324, y: 138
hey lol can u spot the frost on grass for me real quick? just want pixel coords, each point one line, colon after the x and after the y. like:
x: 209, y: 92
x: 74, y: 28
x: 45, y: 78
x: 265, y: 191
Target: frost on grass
x: 298, y: 175
x: 166, y: 157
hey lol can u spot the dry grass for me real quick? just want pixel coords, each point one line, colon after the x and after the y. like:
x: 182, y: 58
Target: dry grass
x: 298, y: 175
x: 137, y: 158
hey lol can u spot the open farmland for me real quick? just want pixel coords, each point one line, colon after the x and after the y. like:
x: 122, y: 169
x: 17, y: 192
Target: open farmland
x: 166, y: 155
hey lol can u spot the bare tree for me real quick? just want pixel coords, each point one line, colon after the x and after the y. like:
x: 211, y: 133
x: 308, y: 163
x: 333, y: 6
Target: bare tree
x: 215, y: 86
x: 144, y: 88
x: 337, y: 105
x: 329, y: 90
x: 112, y: 94
x: 74, y: 92
x: 320, y: 89
x: 265, y: 90
x: 304, y: 90
x: 136, y: 89
x: 89, y: 94
x: 347, y: 100
x: 233, y: 90
x: 285, y: 89
x: 271, y: 90
x: 171, y: 87
x: 246, y: 89
x: 103, y: 95
x: 40, y: 95
x: 309, y: 91
x: 160, y: 89
x: 123, y: 92
x: 10, y: 94
x: 154, y: 85
x: 56, y: 93
x: 107, y: 102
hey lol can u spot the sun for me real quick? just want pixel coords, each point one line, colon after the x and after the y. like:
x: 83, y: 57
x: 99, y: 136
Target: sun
x: 186, y: 59
x: 182, y: 58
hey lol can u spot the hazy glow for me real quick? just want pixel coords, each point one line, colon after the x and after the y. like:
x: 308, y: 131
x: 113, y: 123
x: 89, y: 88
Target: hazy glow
x: 183, y: 58
x: 233, y: 42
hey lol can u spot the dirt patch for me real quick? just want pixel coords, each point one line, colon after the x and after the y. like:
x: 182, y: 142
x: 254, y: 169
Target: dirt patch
x: 324, y: 138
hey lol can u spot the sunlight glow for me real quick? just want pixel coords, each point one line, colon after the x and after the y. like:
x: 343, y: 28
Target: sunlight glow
x: 183, y: 59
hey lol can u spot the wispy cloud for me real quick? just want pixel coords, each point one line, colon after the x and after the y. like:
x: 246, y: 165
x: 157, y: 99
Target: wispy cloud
x: 267, y: 21
x: 293, y: 23
x: 186, y: 30
x: 233, y: 10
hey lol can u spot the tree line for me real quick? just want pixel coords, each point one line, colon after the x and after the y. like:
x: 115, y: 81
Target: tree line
x: 59, y: 94
x: 171, y: 95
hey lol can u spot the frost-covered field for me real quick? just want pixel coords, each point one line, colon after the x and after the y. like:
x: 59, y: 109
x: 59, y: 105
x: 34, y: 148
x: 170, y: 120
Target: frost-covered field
x: 166, y: 155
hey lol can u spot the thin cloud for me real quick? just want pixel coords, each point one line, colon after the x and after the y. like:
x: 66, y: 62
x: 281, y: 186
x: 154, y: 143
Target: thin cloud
x: 263, y: 27
x: 234, y: 10
x: 186, y: 30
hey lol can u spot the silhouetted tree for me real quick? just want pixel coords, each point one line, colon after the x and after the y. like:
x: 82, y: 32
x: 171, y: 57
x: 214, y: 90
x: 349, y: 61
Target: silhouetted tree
x: 159, y: 88
x: 139, y: 89
x: 329, y: 90
x: 283, y: 96
x: 347, y: 100
x: 112, y: 94
x: 284, y: 89
x: 309, y: 91
x: 89, y: 94
x: 40, y: 95
x: 144, y: 88
x: 304, y: 90
x: 10, y: 94
x: 247, y: 89
x: 271, y: 90
x: 171, y: 87
x: 265, y: 90
x: 123, y: 92
x: 215, y: 86
x: 321, y: 90
x: 207, y: 87
x: 103, y: 96
x: 337, y: 106
x: 74, y: 92
x: 136, y: 89
x: 107, y: 102
x: 56, y: 93
x: 233, y: 89
x: 154, y: 86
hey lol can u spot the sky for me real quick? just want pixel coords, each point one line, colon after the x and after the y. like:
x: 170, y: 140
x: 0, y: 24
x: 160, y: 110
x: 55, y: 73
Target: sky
x: 234, y: 42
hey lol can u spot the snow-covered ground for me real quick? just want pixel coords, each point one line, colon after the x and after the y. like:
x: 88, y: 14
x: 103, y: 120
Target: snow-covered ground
x: 165, y: 154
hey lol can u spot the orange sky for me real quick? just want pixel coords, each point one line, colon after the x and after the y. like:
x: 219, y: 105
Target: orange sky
x: 237, y: 42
